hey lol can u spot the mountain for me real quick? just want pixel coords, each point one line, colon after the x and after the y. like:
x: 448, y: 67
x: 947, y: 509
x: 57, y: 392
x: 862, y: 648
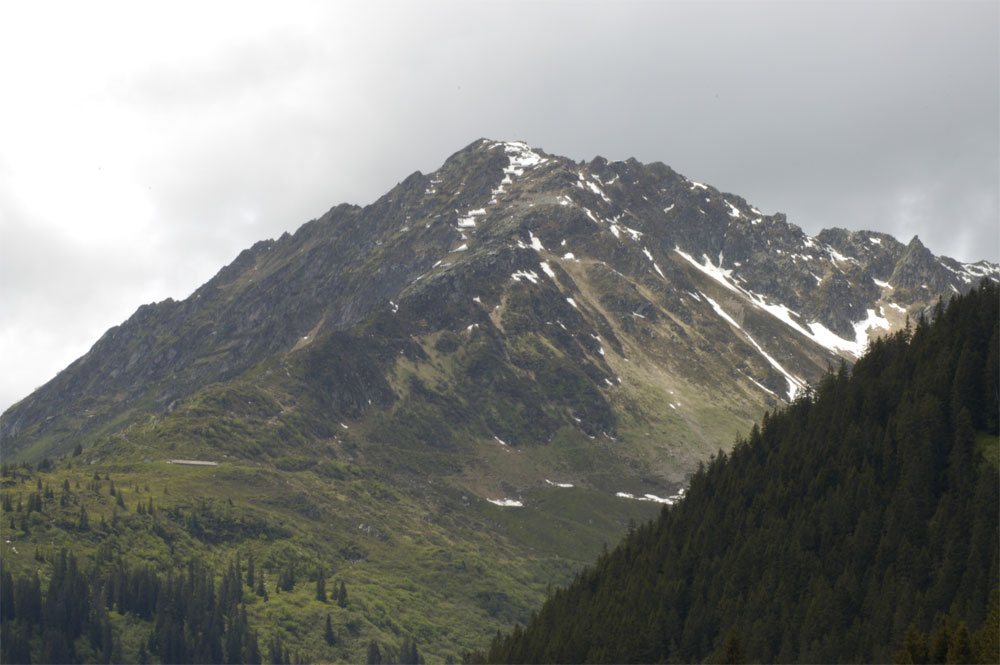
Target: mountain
x: 857, y: 526
x: 640, y: 251
x: 452, y: 397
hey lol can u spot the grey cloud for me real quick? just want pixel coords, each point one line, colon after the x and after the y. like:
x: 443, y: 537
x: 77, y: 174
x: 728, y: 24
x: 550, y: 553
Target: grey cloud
x: 61, y: 304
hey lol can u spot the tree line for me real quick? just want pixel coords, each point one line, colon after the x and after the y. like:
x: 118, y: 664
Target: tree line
x: 190, y: 616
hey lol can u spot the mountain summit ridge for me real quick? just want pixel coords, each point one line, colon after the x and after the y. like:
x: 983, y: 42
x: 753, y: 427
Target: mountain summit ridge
x: 507, y: 209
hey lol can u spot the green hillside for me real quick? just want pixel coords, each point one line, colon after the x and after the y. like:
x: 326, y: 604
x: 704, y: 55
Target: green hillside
x: 860, y: 524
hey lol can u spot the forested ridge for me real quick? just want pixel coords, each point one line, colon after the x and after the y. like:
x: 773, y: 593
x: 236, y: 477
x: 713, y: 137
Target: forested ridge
x: 106, y: 607
x: 193, y: 620
x: 860, y: 524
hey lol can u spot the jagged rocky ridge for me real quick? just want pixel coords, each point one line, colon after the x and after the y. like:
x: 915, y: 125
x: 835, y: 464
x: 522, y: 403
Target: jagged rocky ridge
x: 628, y: 272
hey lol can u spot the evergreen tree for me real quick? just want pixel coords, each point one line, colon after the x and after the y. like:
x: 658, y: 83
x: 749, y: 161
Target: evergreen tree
x: 261, y: 591
x: 342, y: 595
x: 251, y: 649
x: 275, y: 652
x: 328, y: 634
x: 374, y: 656
x: 286, y: 578
x: 321, y: 587
x: 960, y: 646
x: 914, y: 649
x: 732, y: 650
x: 409, y: 655
x: 250, y: 572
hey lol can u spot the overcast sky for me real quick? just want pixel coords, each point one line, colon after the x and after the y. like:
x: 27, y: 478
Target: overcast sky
x: 143, y: 145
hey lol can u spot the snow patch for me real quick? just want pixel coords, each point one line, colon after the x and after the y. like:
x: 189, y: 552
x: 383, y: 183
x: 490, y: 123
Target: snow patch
x: 656, y: 499
x: 838, y: 257
x: 651, y: 497
x: 547, y: 270
x: 632, y: 232
x: 595, y: 189
x: 655, y: 267
x: 716, y: 273
x: 468, y: 221
x: 815, y: 331
x: 856, y: 347
x: 761, y: 386
x: 571, y: 302
x: 529, y: 275
x: 981, y: 269
x: 795, y: 384
x: 506, y: 503
x: 536, y: 244
x: 520, y: 156
x: 558, y: 484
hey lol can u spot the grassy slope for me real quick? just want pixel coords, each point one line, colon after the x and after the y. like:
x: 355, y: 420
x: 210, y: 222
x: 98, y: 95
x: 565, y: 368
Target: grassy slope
x: 415, y: 547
